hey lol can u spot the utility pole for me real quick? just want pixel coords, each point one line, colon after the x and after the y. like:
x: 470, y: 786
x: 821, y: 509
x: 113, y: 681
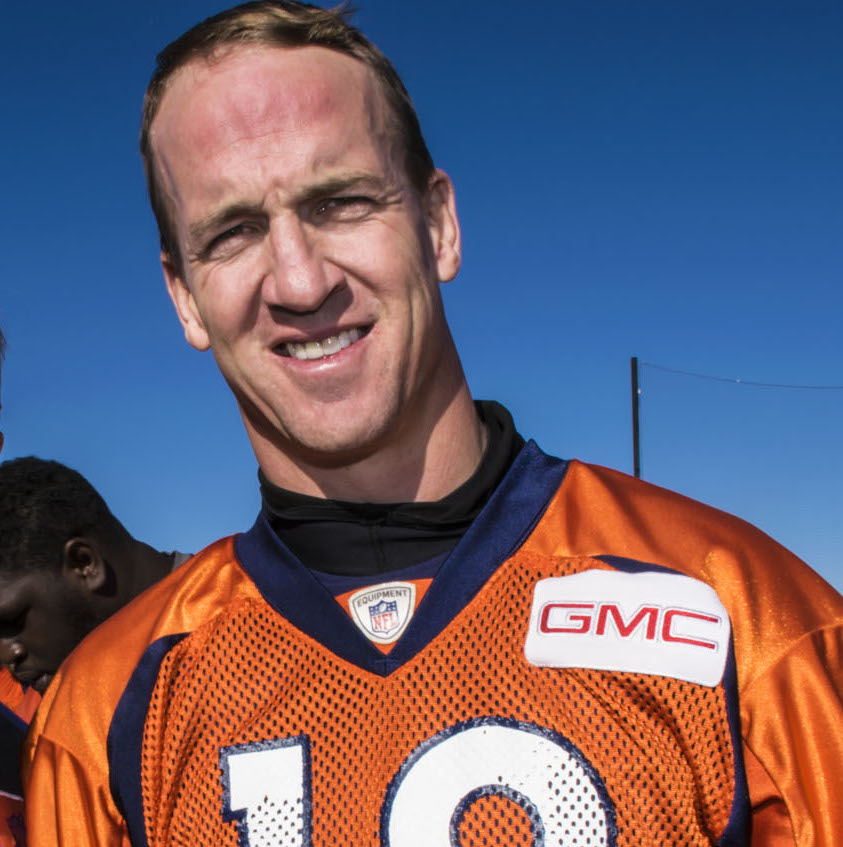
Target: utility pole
x: 636, y: 445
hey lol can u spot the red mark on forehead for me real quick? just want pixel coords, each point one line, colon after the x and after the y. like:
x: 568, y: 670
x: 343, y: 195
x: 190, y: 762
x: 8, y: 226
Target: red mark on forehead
x: 261, y: 119
x: 259, y: 102
x: 256, y: 92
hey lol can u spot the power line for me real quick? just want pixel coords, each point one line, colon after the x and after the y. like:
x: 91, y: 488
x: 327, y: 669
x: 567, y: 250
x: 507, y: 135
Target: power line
x: 738, y: 381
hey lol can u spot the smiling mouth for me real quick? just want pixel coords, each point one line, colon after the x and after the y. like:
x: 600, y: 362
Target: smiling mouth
x: 326, y: 347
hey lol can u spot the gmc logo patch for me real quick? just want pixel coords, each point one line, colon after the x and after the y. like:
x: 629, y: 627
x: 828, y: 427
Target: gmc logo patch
x: 649, y: 622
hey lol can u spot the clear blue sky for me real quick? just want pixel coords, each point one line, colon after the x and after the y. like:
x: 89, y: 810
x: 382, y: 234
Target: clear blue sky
x: 657, y: 179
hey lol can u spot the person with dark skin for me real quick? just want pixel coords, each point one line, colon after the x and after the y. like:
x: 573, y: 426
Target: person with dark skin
x: 66, y: 564
x: 17, y: 705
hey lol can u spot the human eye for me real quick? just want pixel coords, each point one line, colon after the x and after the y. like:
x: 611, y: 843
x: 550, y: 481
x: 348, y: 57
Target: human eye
x: 12, y: 623
x: 343, y: 209
x: 230, y: 241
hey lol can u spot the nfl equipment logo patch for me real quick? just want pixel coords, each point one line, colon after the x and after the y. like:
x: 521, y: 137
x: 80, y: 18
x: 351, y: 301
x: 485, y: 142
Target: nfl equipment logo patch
x: 383, y: 611
x: 384, y: 617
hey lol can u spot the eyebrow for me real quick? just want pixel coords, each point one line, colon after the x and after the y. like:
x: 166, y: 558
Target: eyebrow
x: 344, y: 182
x: 199, y: 231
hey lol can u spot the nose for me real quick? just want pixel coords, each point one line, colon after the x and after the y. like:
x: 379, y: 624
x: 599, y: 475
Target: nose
x: 300, y: 277
x: 12, y: 653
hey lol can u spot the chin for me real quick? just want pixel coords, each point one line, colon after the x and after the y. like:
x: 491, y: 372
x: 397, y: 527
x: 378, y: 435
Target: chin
x: 343, y: 434
x: 325, y: 434
x: 364, y: 432
x: 336, y: 450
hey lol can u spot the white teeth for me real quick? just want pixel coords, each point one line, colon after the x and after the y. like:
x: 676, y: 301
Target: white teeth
x: 331, y: 345
x: 325, y: 347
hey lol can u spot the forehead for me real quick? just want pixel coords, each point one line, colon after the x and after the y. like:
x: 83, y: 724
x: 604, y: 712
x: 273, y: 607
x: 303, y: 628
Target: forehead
x: 251, y: 92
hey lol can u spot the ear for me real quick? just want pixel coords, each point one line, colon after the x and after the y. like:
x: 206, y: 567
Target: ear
x: 83, y: 564
x: 186, y: 309
x: 443, y: 224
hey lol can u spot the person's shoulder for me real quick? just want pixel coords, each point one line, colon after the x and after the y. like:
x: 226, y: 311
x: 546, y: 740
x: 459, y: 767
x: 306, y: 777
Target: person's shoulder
x: 179, y: 558
x: 620, y: 482
x: 773, y: 598
x: 93, y: 677
x: 181, y: 601
x: 617, y: 496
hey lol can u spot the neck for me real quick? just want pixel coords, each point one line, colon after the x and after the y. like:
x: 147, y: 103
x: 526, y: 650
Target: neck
x: 427, y: 460
x: 149, y: 566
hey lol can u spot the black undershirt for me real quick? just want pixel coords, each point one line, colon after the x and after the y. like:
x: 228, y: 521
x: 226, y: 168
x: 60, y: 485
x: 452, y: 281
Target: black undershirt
x: 357, y: 539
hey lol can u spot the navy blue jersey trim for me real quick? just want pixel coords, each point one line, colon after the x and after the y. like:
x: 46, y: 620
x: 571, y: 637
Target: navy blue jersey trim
x: 537, y: 830
x: 340, y: 583
x: 737, y: 830
x: 498, y: 531
x: 551, y: 735
x: 295, y: 593
x: 503, y: 524
x: 17, y: 722
x: 239, y: 815
x: 12, y: 731
x: 736, y: 833
x: 620, y: 563
x: 125, y: 737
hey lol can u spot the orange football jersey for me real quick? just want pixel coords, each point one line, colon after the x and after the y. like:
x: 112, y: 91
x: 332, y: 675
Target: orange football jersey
x: 598, y: 662
x: 17, y: 706
x: 20, y: 699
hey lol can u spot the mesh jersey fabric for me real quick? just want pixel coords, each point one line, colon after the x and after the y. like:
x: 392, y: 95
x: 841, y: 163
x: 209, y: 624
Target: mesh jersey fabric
x: 160, y: 727
x: 663, y: 746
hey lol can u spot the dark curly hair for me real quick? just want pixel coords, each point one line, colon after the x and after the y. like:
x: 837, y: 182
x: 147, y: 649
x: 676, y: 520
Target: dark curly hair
x: 43, y: 504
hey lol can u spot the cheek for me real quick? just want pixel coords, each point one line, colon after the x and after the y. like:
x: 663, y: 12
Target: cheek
x: 45, y: 630
x: 228, y: 303
x: 75, y: 618
x: 389, y: 252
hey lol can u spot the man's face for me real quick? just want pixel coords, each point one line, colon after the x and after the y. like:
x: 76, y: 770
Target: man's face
x: 43, y: 616
x: 311, y: 265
